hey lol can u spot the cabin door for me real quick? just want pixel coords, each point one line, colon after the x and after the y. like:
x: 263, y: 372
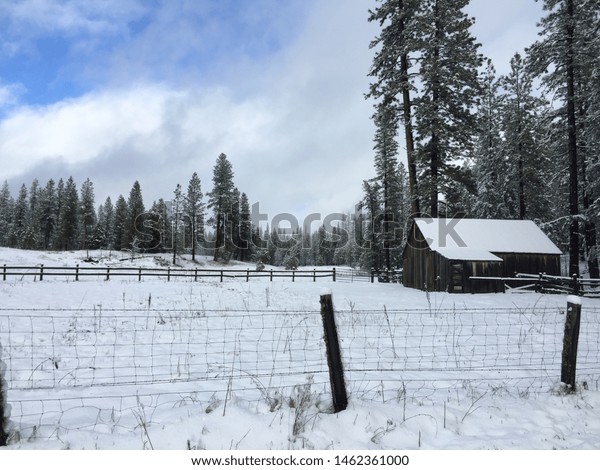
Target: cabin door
x: 457, y: 277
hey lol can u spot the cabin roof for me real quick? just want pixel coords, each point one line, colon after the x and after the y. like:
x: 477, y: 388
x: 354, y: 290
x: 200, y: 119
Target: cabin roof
x: 478, y: 239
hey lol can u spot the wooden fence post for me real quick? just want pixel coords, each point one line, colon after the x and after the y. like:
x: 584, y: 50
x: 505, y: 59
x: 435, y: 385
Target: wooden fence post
x: 108, y: 274
x: 77, y: 272
x: 195, y: 274
x: 334, y: 357
x: 221, y: 275
x: 168, y: 274
x: 41, y: 272
x: 140, y: 275
x: 570, y: 342
x: 247, y: 275
x: 333, y: 274
x: 314, y: 275
x: 271, y: 275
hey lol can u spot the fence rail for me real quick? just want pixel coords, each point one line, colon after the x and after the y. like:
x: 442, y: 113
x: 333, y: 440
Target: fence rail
x: 41, y: 272
x: 548, y: 284
x: 89, y: 368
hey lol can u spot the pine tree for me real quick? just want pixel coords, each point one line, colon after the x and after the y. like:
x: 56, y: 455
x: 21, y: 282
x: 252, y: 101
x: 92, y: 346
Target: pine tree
x: 522, y: 114
x: 495, y: 196
x: 386, y: 167
x: 33, y: 233
x: 391, y: 67
x: 445, y: 122
x: 108, y: 225
x: 120, y: 224
x: 245, y: 231
x: 87, y: 213
x: 68, y: 217
x: 20, y: 219
x: 48, y: 216
x: 372, y: 248
x: 6, y: 214
x: 135, y: 219
x: 565, y: 58
x: 158, y: 221
x: 221, y: 200
x: 194, y: 212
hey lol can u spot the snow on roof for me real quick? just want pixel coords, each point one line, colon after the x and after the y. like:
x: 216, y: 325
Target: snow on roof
x: 478, y: 238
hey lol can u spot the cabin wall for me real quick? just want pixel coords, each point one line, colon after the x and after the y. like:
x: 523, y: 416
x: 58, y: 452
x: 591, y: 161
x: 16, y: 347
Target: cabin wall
x: 417, y: 262
x: 529, y: 263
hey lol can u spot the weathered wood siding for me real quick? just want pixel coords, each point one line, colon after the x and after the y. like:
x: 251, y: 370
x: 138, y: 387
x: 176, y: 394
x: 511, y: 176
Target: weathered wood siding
x: 417, y: 262
x: 529, y: 263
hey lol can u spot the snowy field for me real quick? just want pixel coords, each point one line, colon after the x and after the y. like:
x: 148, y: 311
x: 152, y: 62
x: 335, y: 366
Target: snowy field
x: 123, y: 364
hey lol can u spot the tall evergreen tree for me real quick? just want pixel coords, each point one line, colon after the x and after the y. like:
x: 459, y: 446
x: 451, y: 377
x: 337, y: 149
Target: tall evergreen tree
x: 221, y: 200
x: 495, y: 196
x: 386, y: 167
x: 120, y: 224
x: 68, y: 217
x: 20, y: 219
x: 245, y: 229
x: 48, y: 214
x: 445, y: 121
x: 6, y: 214
x: 194, y: 212
x: 522, y: 114
x: 391, y: 68
x: 87, y: 213
x: 135, y: 218
x: 561, y: 57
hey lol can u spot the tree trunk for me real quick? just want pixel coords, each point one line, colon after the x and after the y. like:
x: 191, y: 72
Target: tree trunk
x: 408, y: 129
x: 572, y: 142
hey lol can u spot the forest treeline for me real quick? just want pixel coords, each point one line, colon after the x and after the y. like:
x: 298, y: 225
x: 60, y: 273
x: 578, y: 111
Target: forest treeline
x: 452, y: 137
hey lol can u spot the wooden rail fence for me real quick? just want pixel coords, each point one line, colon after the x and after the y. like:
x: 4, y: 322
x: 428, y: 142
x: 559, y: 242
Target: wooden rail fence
x: 41, y: 272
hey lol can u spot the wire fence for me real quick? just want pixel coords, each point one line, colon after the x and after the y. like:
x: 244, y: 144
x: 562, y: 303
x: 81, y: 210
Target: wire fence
x: 95, y: 369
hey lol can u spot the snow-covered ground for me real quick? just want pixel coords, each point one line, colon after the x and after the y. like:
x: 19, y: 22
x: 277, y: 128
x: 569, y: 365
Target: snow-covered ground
x: 123, y: 364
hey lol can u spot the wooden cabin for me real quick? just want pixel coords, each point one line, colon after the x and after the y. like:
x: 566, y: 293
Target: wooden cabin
x: 442, y: 254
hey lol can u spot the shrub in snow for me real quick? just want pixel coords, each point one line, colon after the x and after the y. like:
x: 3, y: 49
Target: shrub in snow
x: 4, y: 407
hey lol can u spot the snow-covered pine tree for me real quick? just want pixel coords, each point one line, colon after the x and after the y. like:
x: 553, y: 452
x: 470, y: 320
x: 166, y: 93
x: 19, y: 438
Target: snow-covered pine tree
x: 87, y: 213
x: 120, y: 224
x: 566, y: 59
x: 69, y: 217
x: 245, y: 231
x: 388, y: 178
x: 522, y: 130
x: 391, y: 69
x: 372, y: 232
x: 135, y: 218
x: 495, y: 198
x: 157, y: 223
x: 33, y: 234
x: 20, y: 219
x: 6, y: 213
x: 108, y: 224
x: 48, y: 214
x: 177, y: 220
x: 194, y: 213
x: 449, y: 91
x: 220, y: 200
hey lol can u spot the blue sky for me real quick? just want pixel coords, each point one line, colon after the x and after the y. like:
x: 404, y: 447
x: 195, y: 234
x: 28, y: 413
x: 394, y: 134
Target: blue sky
x: 119, y: 90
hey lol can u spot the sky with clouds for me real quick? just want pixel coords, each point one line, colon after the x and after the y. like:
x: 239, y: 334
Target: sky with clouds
x: 153, y: 90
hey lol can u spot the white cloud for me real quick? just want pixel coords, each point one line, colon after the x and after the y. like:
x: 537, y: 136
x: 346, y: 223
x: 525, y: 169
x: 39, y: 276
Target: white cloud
x: 299, y: 135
